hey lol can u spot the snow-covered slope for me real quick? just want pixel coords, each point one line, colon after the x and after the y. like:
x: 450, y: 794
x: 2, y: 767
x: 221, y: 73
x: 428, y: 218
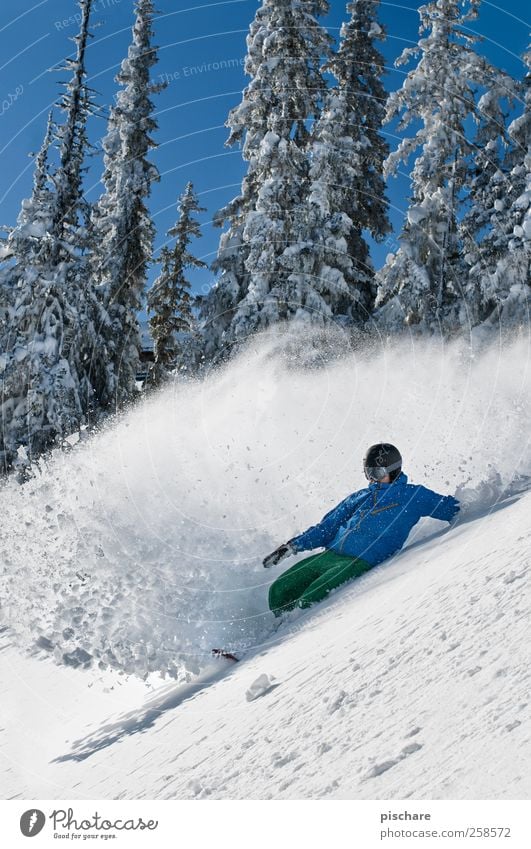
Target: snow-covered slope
x: 412, y: 682
x: 142, y: 549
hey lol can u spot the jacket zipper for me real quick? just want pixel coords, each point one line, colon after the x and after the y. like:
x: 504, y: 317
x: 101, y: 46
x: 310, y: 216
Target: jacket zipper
x: 387, y: 507
x: 363, y: 515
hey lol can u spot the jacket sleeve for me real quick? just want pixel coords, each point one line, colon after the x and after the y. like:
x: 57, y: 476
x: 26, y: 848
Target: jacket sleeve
x: 442, y: 507
x: 321, y: 535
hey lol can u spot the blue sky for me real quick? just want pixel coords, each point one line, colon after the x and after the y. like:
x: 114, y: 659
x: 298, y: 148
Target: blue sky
x: 202, y: 47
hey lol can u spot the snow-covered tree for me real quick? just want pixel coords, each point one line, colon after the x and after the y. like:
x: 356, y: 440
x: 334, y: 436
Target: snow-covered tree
x: 45, y: 368
x: 346, y: 185
x: 33, y: 219
x: 218, y: 306
x: 122, y: 226
x: 487, y: 182
x: 511, y: 280
x: 481, y: 228
x: 421, y: 286
x: 285, y: 47
x: 169, y: 299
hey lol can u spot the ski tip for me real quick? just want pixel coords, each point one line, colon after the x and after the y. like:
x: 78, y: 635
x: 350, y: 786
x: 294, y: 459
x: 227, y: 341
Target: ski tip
x: 226, y: 654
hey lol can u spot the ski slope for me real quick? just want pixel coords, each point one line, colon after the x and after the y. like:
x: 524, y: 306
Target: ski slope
x: 412, y: 682
x: 134, y: 554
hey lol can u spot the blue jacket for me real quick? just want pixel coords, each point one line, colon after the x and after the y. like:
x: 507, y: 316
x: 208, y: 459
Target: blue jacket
x: 375, y: 522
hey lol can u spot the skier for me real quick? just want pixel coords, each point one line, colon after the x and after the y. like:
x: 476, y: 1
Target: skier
x: 363, y: 530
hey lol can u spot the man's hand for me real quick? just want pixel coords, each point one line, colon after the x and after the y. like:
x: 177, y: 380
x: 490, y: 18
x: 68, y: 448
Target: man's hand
x: 279, y: 554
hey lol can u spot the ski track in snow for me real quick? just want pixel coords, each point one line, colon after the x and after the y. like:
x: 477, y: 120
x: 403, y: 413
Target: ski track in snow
x: 143, y: 548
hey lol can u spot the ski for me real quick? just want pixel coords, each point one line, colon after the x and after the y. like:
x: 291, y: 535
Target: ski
x: 226, y: 654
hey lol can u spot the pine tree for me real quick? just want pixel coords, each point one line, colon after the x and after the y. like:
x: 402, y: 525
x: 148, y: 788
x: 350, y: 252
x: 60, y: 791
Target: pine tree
x: 45, y: 383
x: 488, y: 181
x: 170, y: 298
x: 421, y: 285
x: 347, y: 189
x: 122, y: 226
x: 481, y: 227
x: 34, y: 217
x: 285, y: 46
x: 85, y: 341
x: 511, y: 280
x: 72, y: 141
x: 217, y: 308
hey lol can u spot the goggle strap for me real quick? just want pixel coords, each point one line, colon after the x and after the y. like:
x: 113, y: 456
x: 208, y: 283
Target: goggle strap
x: 383, y: 470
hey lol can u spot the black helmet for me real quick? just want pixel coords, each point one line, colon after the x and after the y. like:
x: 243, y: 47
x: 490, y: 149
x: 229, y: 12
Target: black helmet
x: 380, y: 460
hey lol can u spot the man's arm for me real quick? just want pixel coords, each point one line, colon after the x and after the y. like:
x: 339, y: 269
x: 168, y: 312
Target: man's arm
x: 443, y: 507
x: 320, y: 535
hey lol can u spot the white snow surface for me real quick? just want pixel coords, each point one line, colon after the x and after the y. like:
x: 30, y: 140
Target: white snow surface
x: 147, y: 540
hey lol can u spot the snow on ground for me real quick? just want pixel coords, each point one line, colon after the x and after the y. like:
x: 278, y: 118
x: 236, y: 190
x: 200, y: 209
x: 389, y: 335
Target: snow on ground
x: 412, y: 682
x: 141, y: 549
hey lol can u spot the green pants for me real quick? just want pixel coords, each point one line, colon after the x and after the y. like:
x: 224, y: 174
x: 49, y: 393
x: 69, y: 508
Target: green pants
x: 311, y: 579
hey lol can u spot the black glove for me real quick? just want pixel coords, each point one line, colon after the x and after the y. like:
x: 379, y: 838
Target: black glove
x: 279, y: 554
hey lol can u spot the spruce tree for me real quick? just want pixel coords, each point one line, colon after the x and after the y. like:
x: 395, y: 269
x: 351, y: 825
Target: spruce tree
x: 481, y: 227
x: 169, y: 299
x: 46, y: 389
x: 33, y: 219
x: 421, y: 286
x: 285, y: 47
x: 122, y: 226
x: 217, y: 308
x: 17, y: 248
x: 347, y: 189
x: 511, y: 281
